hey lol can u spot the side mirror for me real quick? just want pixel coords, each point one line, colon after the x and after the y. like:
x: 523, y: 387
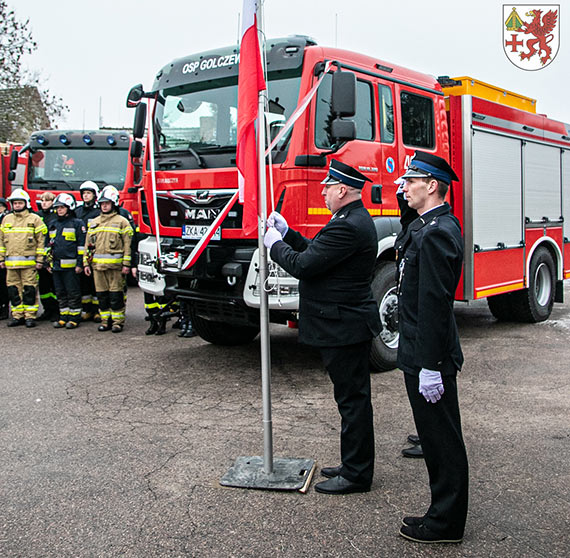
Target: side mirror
x: 136, y: 149
x: 135, y: 95
x: 343, y: 130
x: 11, y: 176
x: 343, y: 104
x: 140, y: 121
x: 14, y: 159
x: 343, y: 95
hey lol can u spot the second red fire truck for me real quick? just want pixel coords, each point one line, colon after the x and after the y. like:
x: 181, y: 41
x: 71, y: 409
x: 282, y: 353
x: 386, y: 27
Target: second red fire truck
x: 513, y: 199
x: 61, y: 160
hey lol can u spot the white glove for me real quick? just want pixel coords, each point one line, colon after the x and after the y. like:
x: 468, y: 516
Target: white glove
x: 278, y: 221
x: 431, y: 385
x: 272, y: 235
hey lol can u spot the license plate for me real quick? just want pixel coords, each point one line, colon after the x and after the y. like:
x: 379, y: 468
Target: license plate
x: 196, y: 232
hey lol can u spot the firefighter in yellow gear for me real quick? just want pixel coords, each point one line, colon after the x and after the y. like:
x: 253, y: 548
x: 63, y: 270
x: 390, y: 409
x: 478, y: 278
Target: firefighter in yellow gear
x: 108, y: 257
x: 22, y: 251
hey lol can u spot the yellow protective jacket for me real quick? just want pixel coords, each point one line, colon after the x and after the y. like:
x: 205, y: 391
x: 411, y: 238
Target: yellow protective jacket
x: 22, y: 237
x: 108, y: 243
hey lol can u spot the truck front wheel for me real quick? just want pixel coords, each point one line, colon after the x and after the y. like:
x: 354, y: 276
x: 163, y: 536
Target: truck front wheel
x: 220, y: 333
x: 385, y: 347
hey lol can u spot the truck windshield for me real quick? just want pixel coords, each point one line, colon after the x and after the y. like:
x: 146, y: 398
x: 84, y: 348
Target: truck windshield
x: 205, y: 120
x: 66, y: 169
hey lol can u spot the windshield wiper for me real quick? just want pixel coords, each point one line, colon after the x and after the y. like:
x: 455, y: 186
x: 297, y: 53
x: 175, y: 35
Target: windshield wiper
x: 188, y: 149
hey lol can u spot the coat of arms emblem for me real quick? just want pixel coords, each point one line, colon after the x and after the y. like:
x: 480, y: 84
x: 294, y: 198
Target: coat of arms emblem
x: 531, y: 34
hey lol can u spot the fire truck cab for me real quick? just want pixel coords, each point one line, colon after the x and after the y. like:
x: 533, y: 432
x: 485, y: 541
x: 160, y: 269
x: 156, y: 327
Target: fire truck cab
x: 61, y: 160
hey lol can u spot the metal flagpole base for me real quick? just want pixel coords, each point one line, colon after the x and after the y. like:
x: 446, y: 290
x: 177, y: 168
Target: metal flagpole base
x: 288, y: 474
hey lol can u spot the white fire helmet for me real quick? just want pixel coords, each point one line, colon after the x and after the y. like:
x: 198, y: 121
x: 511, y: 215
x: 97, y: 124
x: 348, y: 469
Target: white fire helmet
x: 66, y: 200
x: 109, y: 193
x: 89, y: 185
x: 21, y: 195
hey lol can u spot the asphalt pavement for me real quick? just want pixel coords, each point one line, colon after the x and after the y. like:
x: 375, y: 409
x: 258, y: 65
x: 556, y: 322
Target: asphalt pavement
x: 114, y: 445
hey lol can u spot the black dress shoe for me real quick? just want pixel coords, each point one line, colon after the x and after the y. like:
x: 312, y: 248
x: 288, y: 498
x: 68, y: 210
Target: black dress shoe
x: 420, y: 533
x: 331, y: 472
x: 414, y: 439
x: 415, y: 451
x: 340, y: 485
x: 14, y: 322
x: 412, y: 520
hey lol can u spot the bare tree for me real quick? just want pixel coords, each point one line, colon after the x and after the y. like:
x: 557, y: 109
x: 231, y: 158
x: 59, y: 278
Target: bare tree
x: 22, y: 110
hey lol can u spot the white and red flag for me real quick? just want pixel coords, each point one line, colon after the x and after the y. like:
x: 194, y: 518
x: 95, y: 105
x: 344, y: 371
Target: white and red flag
x: 250, y: 83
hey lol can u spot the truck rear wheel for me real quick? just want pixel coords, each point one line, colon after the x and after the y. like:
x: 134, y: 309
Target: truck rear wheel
x: 385, y: 347
x: 220, y: 333
x: 533, y: 304
x: 501, y: 307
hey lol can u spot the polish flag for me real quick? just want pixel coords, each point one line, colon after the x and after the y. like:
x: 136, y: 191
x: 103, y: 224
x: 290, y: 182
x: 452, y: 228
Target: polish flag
x: 250, y: 83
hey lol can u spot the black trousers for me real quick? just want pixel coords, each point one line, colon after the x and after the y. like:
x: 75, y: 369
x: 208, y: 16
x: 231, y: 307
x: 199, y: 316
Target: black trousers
x: 4, y: 299
x: 439, y: 428
x: 68, y: 290
x: 88, y: 294
x: 47, y: 291
x: 349, y: 371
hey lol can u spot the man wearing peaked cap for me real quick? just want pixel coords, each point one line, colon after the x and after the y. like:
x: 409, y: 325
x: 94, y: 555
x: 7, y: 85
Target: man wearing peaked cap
x: 338, y: 314
x: 430, y: 257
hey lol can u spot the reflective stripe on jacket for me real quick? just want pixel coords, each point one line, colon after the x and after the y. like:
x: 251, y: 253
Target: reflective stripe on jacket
x: 109, y: 242
x: 67, y: 242
x: 22, y: 237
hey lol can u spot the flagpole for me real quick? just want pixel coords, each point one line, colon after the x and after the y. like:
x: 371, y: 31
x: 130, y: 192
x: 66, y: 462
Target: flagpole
x: 255, y: 471
x: 263, y: 271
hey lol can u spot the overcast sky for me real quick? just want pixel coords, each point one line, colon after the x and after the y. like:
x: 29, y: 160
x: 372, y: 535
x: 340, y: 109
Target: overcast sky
x: 90, y: 50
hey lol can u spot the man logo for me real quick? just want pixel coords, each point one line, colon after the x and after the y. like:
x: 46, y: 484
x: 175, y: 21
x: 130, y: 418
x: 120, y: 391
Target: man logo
x: 531, y: 34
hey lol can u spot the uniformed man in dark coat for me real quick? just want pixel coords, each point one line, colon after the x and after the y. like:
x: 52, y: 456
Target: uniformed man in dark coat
x: 338, y: 314
x: 430, y: 259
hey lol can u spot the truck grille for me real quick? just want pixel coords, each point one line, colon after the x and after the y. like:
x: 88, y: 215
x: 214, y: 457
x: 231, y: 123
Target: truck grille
x: 197, y: 209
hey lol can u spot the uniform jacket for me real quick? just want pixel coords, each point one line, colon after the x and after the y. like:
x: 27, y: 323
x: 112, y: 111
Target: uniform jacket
x: 48, y: 216
x: 87, y: 213
x: 108, y: 242
x: 334, y: 269
x: 22, y: 237
x: 66, y: 241
x: 431, y: 258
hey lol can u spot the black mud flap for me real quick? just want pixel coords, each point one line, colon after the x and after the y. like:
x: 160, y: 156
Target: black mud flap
x: 559, y: 294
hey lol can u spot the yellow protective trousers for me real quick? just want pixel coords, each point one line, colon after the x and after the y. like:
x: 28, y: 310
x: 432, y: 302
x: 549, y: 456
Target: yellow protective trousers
x: 23, y: 292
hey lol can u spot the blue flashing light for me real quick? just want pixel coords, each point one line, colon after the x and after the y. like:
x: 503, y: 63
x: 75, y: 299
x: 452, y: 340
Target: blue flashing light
x: 88, y: 139
x: 42, y: 140
x: 111, y: 140
x: 64, y: 139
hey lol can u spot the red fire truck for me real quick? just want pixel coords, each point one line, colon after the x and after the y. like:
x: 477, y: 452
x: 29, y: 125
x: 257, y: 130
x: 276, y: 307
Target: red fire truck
x: 512, y: 200
x: 61, y: 160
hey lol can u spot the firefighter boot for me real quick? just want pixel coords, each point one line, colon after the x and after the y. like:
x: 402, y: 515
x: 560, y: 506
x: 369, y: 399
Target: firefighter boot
x: 30, y: 322
x: 161, y: 326
x: 153, y: 327
x: 189, y: 331
x: 106, y: 326
x: 16, y: 322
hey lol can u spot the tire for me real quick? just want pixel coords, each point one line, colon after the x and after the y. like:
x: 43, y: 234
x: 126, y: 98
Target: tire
x: 535, y: 303
x: 384, y: 351
x: 220, y: 333
x: 501, y: 307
